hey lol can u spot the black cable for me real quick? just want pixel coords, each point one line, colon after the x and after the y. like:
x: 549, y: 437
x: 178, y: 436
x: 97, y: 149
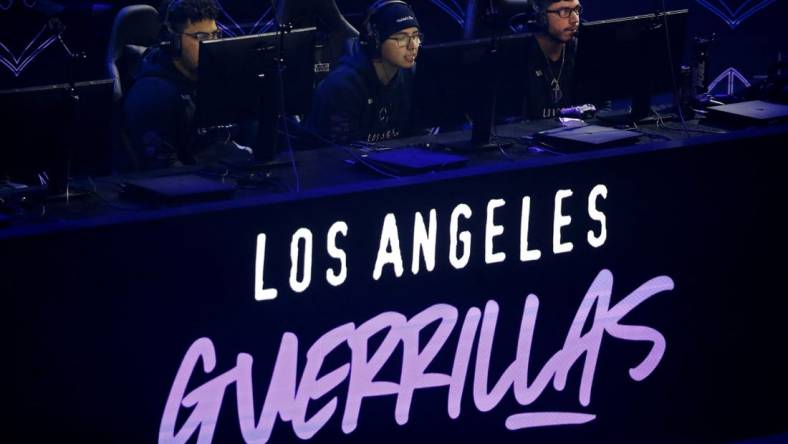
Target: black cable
x: 316, y: 136
x: 282, y: 108
x: 676, y: 96
x: 349, y: 151
x: 696, y: 130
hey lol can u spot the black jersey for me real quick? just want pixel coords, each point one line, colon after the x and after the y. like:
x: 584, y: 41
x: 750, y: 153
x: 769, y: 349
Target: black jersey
x: 549, y: 84
x: 351, y: 104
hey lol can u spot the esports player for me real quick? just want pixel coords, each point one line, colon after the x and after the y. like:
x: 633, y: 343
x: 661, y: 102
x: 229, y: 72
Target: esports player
x: 551, y: 58
x: 159, y: 108
x: 367, y: 96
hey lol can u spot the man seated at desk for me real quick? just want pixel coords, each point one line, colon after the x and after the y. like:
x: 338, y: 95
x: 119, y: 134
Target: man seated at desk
x: 367, y: 97
x: 550, y: 58
x: 159, y: 109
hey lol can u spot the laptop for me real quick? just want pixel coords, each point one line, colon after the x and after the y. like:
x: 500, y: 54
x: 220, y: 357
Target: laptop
x: 753, y: 112
x: 413, y: 160
x: 185, y: 188
x: 587, y: 137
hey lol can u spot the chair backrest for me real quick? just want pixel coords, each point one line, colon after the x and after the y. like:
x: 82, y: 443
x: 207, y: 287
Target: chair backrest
x: 135, y: 28
x: 485, y: 18
x: 339, y: 34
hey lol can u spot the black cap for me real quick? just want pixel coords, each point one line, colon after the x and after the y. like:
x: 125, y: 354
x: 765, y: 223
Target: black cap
x: 392, y: 18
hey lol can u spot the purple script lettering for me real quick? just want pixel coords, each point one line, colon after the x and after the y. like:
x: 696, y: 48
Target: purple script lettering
x: 287, y: 396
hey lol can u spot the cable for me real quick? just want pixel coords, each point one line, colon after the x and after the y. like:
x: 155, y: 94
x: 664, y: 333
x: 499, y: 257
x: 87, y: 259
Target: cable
x: 696, y: 130
x: 662, y: 125
x: 282, y: 108
x: 672, y: 67
x: 651, y: 135
x: 505, y: 154
x: 312, y: 133
x: 349, y: 151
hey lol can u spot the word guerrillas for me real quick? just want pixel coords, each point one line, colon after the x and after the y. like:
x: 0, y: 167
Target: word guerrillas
x: 288, y: 396
x: 424, y: 242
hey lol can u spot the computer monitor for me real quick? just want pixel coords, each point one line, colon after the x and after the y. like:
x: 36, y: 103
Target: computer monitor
x: 468, y: 79
x: 239, y: 81
x: 630, y: 58
x: 56, y: 132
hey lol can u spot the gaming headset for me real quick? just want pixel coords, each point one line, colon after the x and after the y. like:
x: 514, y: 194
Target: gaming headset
x: 171, y: 41
x: 532, y: 19
x: 539, y: 15
x: 369, y: 39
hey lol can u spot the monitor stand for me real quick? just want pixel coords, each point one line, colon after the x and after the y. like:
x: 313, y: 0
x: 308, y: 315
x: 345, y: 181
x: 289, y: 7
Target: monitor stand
x: 636, y: 112
x: 266, y: 152
x: 481, y: 133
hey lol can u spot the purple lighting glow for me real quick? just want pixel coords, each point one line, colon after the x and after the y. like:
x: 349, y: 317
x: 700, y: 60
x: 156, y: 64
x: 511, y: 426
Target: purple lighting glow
x: 734, y: 14
x: 17, y: 64
x: 287, y: 396
x: 728, y: 82
x: 231, y: 28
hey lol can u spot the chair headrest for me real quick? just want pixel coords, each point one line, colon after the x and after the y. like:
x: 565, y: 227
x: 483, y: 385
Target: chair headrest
x: 331, y: 20
x: 134, y: 25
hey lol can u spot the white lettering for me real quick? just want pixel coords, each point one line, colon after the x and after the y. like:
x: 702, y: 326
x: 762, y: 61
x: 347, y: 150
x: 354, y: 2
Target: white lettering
x: 559, y: 220
x: 260, y: 292
x: 456, y: 261
x: 337, y: 278
x: 424, y: 242
x: 595, y: 214
x: 305, y: 235
x: 491, y: 232
x: 526, y: 254
x: 388, y: 251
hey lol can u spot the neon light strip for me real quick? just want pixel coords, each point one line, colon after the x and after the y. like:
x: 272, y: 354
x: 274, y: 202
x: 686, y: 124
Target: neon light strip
x: 731, y: 17
x: 18, y: 64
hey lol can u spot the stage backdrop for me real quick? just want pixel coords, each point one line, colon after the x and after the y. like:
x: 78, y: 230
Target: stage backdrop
x: 638, y: 298
x: 37, y: 36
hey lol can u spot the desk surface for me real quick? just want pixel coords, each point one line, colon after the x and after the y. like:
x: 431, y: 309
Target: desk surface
x: 627, y: 295
x: 333, y: 170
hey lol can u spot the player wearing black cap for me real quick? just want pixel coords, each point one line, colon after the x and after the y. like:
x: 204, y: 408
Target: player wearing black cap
x: 367, y: 97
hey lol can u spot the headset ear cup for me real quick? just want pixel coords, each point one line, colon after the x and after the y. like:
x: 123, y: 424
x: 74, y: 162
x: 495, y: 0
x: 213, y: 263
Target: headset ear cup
x: 172, y: 42
x: 375, y: 38
x: 540, y: 16
x: 175, y: 44
x: 371, y: 40
x: 366, y: 38
x: 172, y: 38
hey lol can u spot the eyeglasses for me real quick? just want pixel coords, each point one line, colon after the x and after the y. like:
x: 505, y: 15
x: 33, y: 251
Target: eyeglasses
x: 566, y: 12
x: 203, y: 36
x: 404, y: 40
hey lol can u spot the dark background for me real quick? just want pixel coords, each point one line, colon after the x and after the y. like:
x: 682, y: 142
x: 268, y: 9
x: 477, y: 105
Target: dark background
x: 102, y: 312
x: 747, y: 42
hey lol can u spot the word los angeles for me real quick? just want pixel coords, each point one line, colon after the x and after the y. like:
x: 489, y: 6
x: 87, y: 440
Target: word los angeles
x: 389, y: 257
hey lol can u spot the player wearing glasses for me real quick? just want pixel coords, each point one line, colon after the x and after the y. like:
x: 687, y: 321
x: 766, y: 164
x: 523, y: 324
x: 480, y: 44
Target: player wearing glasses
x: 159, y: 108
x: 551, y: 58
x: 367, y: 97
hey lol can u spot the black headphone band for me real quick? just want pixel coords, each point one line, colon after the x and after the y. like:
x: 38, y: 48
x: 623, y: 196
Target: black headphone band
x: 173, y: 39
x: 380, y: 4
x: 168, y: 12
x: 540, y: 12
x: 370, y: 38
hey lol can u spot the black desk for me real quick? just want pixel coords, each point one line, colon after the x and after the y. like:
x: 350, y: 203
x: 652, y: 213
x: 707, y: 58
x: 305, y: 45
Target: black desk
x: 327, y: 170
x: 625, y: 295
